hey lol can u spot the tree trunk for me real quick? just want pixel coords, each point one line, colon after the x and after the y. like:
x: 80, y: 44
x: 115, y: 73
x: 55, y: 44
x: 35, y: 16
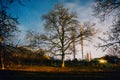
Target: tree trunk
x: 82, y: 49
x: 18, y: 63
x: 63, y: 63
x: 81, y: 41
x: 62, y: 42
x: 74, y: 51
x: 2, y: 64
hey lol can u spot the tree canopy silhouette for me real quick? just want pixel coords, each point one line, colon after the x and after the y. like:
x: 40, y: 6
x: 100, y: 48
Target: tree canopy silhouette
x: 104, y: 9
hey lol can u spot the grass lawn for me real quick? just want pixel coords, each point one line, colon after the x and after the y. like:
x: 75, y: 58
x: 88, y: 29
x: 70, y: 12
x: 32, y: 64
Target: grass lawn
x: 57, y: 73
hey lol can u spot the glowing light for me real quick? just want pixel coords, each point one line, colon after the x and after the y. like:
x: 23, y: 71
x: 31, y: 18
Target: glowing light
x: 102, y: 61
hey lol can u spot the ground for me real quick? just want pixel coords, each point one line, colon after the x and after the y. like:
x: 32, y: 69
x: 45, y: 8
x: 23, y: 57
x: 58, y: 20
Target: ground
x: 57, y: 73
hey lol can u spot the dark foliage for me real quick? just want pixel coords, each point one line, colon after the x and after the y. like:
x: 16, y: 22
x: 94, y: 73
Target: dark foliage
x: 112, y: 59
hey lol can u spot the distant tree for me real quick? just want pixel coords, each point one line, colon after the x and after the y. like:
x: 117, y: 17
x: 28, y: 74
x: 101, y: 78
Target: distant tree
x: 113, y: 51
x: 32, y: 39
x: 73, y: 33
x: 86, y: 32
x: 112, y: 58
x: 103, y: 9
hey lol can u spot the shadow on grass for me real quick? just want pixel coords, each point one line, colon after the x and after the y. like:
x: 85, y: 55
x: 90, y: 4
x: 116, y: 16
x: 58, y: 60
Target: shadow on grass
x: 29, y: 75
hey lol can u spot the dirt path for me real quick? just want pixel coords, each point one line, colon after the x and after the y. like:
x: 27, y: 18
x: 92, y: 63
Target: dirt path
x: 59, y: 69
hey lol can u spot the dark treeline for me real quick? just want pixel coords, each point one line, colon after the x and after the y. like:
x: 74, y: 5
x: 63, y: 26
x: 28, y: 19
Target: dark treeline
x: 21, y: 56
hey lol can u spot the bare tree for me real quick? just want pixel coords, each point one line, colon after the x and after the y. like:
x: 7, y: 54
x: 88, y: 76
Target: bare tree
x: 8, y: 25
x: 103, y: 9
x: 33, y: 40
x: 86, y: 32
x: 63, y: 31
x: 80, y: 33
x: 112, y: 51
x: 58, y: 25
